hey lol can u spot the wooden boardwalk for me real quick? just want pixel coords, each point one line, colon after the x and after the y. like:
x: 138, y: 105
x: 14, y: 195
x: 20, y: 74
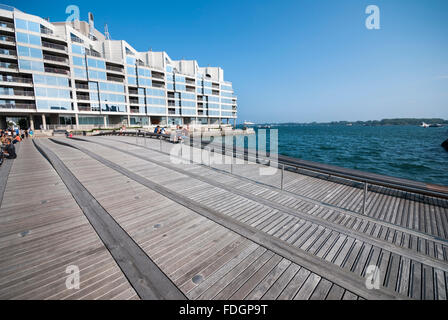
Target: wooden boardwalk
x: 43, y: 231
x: 213, y: 234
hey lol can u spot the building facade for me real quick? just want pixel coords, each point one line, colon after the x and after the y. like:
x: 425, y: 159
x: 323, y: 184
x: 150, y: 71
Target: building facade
x: 70, y: 75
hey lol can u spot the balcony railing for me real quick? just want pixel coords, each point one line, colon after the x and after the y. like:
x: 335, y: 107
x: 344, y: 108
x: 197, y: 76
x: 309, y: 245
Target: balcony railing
x: 93, y: 53
x: 16, y: 79
x: 158, y: 76
x: 81, y: 86
x: 116, y: 79
x: 113, y: 68
x: 158, y: 85
x: 83, y: 97
x: 8, y: 65
x: 54, y: 46
x: 76, y: 39
x: 6, y: 25
x: 55, y: 58
x: 44, y: 30
x: 17, y: 93
x: 8, y: 52
x: 17, y: 106
x: 7, y: 38
x: 84, y: 108
x: 58, y: 71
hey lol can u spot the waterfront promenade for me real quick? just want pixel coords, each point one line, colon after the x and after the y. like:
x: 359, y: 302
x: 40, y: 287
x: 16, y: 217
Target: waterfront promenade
x: 140, y: 226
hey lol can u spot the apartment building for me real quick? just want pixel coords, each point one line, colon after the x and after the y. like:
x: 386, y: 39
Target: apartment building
x: 70, y: 75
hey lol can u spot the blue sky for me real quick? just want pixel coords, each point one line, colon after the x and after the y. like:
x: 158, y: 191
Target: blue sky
x: 295, y: 60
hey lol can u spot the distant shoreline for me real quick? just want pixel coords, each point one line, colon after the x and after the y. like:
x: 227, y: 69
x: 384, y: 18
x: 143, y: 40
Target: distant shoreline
x: 383, y: 122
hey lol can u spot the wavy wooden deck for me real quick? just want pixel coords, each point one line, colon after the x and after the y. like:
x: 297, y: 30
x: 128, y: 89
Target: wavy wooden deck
x: 213, y: 234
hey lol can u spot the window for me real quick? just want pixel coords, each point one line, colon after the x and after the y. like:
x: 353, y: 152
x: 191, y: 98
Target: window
x: 31, y: 65
x: 95, y: 63
x: 27, y: 25
x: 52, y: 93
x: 130, y: 60
x: 99, y: 75
x: 132, y: 80
x: 78, y: 49
x: 105, y: 86
x: 29, y: 52
x: 21, y: 24
x: 50, y: 80
x: 156, y: 101
x: 77, y: 61
x: 155, y: 92
x: 190, y: 96
x: 53, y: 105
x: 157, y: 110
x: 28, y: 38
x: 80, y: 73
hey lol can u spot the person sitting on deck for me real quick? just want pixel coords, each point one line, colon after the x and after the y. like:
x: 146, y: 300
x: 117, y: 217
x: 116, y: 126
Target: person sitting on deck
x: 156, y: 129
x: 10, y: 150
x: 162, y: 131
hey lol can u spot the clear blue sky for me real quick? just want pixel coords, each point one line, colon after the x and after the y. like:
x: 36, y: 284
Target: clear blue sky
x: 297, y: 60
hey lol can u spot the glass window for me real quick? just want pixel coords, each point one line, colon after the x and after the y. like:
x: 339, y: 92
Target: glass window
x: 130, y: 70
x: 23, y: 51
x: 80, y: 73
x: 77, y: 49
x: 21, y: 24
x: 132, y: 80
x: 36, y: 53
x: 38, y: 79
x: 130, y: 60
x: 22, y: 37
x: 34, y: 39
x: 78, y: 61
x: 33, y: 26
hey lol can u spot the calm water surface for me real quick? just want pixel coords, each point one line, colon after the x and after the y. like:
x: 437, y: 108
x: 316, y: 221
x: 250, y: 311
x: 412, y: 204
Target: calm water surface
x: 407, y: 152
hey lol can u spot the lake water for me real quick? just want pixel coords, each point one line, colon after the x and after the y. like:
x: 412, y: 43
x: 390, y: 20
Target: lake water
x: 407, y: 152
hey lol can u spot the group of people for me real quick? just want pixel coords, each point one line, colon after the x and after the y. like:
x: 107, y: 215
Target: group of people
x: 8, y: 138
x: 180, y: 134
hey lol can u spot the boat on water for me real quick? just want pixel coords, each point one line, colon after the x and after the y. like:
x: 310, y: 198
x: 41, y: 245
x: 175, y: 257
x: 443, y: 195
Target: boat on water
x: 434, y: 125
x: 264, y: 126
x: 248, y: 123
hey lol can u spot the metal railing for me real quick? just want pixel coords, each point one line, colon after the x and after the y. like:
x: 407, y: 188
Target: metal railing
x: 116, y: 79
x: 81, y: 86
x: 16, y: 79
x: 17, y: 93
x: 8, y: 65
x: 54, y: 46
x: 158, y: 85
x: 17, y: 106
x: 55, y: 58
x: 7, y: 38
x: 158, y: 76
x: 8, y: 52
x: 6, y: 25
x: 113, y: 68
x: 58, y: 71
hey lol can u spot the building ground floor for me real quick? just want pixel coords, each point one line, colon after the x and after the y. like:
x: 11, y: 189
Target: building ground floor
x: 53, y: 121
